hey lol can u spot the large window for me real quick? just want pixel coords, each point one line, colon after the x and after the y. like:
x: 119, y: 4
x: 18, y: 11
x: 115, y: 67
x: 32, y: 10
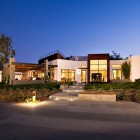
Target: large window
x: 98, y: 70
x: 67, y: 75
x: 116, y: 71
x: 117, y: 74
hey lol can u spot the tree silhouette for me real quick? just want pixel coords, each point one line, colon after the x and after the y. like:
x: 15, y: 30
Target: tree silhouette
x: 115, y: 56
x: 6, y: 50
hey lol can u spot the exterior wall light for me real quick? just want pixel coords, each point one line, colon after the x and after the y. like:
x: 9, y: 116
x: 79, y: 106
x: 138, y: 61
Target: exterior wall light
x: 78, y: 71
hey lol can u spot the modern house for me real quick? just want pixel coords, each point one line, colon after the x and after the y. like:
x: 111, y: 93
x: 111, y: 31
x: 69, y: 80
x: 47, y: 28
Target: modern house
x: 56, y: 67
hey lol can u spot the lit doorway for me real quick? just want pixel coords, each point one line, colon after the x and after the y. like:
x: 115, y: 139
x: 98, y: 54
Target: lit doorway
x: 83, y: 76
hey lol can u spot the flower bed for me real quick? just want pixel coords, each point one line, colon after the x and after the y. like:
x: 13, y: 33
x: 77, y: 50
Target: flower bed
x: 24, y: 95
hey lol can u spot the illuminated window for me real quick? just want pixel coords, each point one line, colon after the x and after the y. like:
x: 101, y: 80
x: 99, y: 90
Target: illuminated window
x: 98, y: 70
x: 117, y: 74
x: 103, y: 62
x: 67, y: 75
x: 92, y: 62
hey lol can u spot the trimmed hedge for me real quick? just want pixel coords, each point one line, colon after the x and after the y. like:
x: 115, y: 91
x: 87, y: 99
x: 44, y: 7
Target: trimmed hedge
x: 49, y: 86
x: 112, y: 86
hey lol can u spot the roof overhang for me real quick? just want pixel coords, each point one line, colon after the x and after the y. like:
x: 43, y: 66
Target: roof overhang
x: 30, y: 66
x: 83, y: 68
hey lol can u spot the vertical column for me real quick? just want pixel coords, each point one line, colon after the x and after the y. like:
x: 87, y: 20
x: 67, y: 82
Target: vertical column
x: 11, y: 70
x: 46, y: 69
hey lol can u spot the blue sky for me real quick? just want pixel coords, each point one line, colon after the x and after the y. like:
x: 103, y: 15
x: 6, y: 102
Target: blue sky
x: 75, y: 27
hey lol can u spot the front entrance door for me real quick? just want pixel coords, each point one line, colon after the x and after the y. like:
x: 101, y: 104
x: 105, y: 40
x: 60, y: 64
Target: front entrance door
x: 83, y: 76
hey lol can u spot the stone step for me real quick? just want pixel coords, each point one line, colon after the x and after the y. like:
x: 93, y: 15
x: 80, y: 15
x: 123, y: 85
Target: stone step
x: 79, y: 84
x: 63, y: 95
x: 98, y: 97
x: 73, y: 90
x: 81, y: 87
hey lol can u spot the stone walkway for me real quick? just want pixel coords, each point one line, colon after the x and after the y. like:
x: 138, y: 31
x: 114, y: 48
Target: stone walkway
x: 70, y: 93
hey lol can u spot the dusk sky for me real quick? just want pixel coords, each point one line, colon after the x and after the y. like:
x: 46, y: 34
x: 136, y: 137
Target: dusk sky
x: 75, y: 27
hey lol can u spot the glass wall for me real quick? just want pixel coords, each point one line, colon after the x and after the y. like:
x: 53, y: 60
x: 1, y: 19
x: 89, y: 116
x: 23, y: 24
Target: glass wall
x: 67, y: 75
x: 98, y: 70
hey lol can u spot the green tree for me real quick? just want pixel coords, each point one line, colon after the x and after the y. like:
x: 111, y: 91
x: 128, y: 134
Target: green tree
x: 126, y: 70
x: 115, y: 56
x: 6, y: 50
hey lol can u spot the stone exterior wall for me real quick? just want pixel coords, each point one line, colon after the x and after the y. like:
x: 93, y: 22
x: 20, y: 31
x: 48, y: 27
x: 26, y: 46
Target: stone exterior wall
x: 12, y: 70
x: 8, y: 72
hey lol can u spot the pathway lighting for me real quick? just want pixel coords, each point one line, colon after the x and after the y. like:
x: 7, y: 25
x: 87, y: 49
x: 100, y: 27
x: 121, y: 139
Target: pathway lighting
x: 34, y: 97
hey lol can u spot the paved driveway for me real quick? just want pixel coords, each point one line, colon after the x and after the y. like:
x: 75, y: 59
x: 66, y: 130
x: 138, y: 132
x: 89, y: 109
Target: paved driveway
x: 70, y: 120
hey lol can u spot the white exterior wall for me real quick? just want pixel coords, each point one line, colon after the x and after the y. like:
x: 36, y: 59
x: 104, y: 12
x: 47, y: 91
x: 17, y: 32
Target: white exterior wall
x: 75, y: 65
x: 0, y: 76
x: 135, y: 67
x: 115, y: 62
x: 68, y: 64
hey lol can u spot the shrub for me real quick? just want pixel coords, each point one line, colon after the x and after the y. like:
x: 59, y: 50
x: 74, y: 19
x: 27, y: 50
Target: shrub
x: 20, y: 93
x: 108, y: 86
x: 123, y: 95
x: 1, y: 85
x: 136, y: 84
x: 127, y: 97
x: 137, y: 97
x: 50, y: 86
x: 126, y: 70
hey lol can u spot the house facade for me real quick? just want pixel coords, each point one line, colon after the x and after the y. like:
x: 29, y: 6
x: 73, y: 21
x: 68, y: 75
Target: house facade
x: 86, y: 69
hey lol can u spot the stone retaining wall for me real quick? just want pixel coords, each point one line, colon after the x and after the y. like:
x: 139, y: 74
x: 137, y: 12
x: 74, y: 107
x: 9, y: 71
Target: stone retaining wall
x: 98, y: 97
x: 63, y: 87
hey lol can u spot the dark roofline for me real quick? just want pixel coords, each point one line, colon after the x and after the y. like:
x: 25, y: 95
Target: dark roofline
x: 51, y: 53
x: 52, y: 56
x: 21, y: 63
